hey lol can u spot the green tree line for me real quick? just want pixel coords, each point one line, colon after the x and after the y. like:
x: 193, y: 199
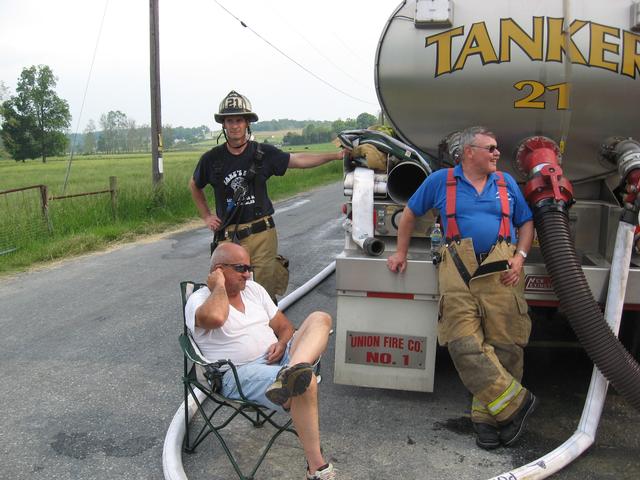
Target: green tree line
x: 322, y: 132
x: 121, y: 134
x: 35, y: 121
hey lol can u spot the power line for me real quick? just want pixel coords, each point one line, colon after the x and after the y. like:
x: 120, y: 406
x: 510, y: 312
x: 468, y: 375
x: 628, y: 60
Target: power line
x: 291, y: 59
x: 84, y: 97
x: 328, y: 59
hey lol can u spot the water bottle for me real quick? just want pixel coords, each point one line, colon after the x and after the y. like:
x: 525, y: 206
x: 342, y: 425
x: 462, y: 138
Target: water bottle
x: 436, y: 240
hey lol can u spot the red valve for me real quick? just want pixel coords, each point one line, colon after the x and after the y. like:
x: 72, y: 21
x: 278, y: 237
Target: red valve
x: 540, y: 156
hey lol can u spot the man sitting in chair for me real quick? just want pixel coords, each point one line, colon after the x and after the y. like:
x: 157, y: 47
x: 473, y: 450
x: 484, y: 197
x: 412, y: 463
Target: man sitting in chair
x: 234, y: 318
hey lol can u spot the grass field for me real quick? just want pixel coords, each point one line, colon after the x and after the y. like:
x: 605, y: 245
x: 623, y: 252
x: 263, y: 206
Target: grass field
x: 84, y: 224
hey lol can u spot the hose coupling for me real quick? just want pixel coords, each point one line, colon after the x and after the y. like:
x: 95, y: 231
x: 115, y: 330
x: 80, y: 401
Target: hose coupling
x: 539, y: 158
x: 625, y: 154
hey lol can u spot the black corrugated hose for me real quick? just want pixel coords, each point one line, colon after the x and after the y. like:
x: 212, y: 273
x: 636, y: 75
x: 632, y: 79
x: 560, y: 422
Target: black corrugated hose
x: 577, y: 302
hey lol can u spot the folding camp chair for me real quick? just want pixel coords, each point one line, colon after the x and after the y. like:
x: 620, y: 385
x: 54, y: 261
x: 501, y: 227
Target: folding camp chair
x: 206, y: 376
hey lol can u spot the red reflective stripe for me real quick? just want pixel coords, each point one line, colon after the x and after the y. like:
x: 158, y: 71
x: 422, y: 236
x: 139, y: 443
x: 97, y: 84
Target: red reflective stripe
x: 543, y: 303
x: 403, y: 296
x: 452, y: 225
x: 505, y: 226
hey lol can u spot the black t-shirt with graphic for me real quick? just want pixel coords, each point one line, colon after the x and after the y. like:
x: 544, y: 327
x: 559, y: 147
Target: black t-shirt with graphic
x: 234, y: 172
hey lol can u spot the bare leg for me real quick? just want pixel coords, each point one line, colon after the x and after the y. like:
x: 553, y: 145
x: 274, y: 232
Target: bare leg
x: 309, y: 343
x: 311, y: 338
x: 304, y: 412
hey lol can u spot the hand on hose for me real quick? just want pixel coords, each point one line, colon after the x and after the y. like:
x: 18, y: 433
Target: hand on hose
x: 212, y: 221
x: 511, y: 277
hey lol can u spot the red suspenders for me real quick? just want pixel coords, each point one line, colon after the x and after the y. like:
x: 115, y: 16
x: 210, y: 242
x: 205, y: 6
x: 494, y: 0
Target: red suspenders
x: 453, y: 232
x: 505, y: 225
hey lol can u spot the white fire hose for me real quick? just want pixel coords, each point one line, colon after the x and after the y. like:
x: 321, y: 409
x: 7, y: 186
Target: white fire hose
x: 379, y: 183
x: 361, y: 225
x: 585, y: 434
x: 172, y: 449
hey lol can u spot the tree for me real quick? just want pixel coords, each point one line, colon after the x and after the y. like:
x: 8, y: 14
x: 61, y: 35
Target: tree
x: 4, y: 91
x: 90, y: 137
x: 115, y: 125
x: 168, y: 136
x: 338, y: 125
x: 35, y: 118
x: 365, y: 120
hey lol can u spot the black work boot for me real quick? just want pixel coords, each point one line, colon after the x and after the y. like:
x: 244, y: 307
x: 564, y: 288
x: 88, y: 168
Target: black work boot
x: 511, y: 431
x: 487, y: 436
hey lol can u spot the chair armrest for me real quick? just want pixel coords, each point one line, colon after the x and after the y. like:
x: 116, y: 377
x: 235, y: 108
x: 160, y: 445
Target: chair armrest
x: 193, y: 353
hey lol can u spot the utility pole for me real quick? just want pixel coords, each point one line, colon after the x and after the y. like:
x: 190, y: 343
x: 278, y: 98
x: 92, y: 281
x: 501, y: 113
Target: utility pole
x: 156, y: 121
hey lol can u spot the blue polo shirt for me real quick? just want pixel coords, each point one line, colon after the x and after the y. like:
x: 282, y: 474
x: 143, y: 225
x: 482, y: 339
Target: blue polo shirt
x: 478, y: 215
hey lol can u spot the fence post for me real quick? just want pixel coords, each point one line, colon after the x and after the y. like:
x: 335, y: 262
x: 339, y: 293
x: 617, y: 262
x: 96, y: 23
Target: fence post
x: 44, y: 204
x: 113, y: 186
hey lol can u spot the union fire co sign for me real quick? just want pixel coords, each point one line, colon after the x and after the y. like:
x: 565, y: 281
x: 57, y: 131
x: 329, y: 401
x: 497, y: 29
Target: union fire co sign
x: 386, y: 350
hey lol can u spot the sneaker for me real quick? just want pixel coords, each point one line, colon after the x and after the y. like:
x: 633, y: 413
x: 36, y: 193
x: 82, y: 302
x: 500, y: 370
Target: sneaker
x: 487, y: 436
x: 290, y: 382
x: 326, y: 472
x: 511, y: 431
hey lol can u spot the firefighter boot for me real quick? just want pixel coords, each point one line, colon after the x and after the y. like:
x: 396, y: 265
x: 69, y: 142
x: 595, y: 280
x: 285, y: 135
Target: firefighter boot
x: 487, y: 436
x: 511, y: 431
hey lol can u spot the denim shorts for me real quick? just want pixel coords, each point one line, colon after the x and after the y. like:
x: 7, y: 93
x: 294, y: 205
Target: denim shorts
x: 255, y: 377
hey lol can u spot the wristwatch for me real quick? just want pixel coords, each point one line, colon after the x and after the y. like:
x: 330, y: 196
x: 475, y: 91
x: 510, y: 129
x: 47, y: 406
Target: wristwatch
x: 523, y: 253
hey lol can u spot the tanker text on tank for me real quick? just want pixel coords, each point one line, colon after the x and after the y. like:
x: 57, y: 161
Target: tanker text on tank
x: 603, y: 45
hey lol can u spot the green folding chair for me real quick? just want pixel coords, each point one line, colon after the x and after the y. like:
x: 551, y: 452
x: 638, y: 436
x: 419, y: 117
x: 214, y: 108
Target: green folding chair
x: 206, y: 376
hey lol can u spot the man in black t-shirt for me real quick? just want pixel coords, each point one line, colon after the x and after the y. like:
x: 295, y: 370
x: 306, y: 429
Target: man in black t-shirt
x: 238, y: 171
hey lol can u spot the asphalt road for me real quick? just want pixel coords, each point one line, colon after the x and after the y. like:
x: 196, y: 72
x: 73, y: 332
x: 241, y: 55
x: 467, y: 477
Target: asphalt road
x: 90, y: 371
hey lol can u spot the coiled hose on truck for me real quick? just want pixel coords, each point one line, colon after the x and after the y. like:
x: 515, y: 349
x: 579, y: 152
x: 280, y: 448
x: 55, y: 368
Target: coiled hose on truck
x: 577, y: 302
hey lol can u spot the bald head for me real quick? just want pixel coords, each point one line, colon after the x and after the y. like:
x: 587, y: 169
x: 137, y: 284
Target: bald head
x: 228, y: 253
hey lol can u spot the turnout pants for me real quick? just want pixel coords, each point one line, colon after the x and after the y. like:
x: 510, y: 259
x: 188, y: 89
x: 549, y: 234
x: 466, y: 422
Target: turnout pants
x: 485, y: 326
x: 269, y: 270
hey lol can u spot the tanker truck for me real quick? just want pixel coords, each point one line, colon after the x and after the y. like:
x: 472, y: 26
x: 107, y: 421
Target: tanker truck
x: 557, y: 81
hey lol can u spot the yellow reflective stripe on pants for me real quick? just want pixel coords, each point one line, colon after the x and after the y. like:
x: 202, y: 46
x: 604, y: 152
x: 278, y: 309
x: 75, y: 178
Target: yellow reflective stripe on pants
x: 500, y: 403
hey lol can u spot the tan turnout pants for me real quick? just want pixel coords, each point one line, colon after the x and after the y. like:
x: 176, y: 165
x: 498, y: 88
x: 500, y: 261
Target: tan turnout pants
x: 485, y: 326
x: 263, y: 251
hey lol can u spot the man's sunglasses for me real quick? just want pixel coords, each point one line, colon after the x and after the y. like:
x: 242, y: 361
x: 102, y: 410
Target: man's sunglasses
x: 239, y: 267
x: 490, y: 148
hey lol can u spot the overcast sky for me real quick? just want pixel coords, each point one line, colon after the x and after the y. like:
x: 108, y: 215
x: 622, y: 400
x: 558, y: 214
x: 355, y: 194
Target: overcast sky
x: 204, y: 53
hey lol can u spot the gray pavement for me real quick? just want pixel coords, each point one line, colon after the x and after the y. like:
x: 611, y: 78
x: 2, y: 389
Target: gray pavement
x: 90, y: 370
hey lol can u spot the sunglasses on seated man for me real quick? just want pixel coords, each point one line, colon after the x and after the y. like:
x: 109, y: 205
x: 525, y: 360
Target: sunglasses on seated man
x: 239, y: 267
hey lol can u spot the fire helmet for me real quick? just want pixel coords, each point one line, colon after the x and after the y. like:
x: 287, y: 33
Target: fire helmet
x: 235, y: 104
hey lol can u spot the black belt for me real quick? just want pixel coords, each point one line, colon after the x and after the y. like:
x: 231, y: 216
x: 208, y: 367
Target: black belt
x: 255, y: 227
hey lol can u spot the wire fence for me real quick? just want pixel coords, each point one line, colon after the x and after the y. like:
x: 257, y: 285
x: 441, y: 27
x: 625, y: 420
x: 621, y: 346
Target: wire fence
x: 29, y: 214
x: 23, y: 216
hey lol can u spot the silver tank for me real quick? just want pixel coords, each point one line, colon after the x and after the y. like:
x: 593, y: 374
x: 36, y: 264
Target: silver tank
x: 444, y: 65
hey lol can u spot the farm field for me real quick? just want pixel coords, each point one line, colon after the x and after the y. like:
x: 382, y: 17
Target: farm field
x: 87, y: 223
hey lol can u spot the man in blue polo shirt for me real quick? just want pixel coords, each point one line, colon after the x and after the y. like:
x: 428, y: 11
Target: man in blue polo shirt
x: 483, y: 313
